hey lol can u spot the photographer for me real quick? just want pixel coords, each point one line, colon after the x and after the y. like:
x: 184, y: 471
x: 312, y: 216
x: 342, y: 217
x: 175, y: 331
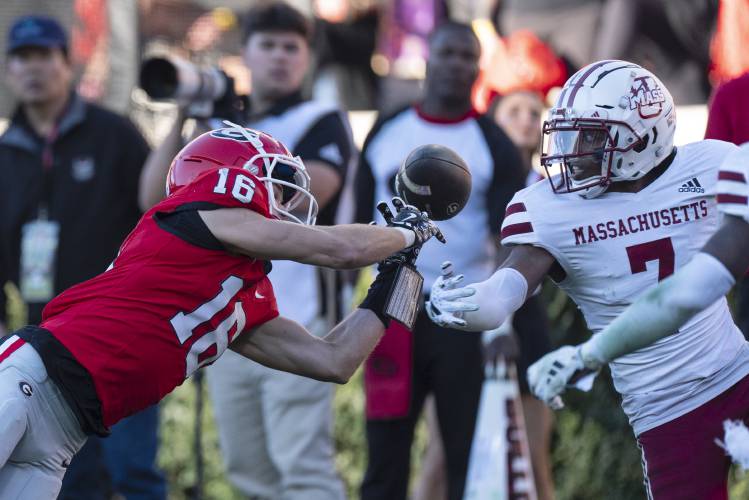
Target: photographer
x: 69, y: 191
x: 258, y: 410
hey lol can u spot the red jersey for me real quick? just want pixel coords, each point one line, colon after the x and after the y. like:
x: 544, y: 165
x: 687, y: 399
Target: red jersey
x: 165, y: 307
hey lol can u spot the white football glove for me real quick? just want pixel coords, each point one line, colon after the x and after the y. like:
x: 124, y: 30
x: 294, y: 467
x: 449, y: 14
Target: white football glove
x: 565, y: 367
x: 445, y: 306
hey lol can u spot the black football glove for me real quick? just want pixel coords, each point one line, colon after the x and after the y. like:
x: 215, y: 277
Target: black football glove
x: 410, y: 217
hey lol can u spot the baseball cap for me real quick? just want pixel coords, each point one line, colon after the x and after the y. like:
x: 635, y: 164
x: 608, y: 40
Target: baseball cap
x: 36, y: 31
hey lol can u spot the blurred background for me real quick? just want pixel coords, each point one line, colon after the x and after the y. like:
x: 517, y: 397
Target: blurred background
x: 369, y: 57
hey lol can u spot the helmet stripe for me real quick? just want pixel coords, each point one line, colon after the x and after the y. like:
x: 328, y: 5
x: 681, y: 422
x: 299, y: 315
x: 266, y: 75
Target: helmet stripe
x: 579, y: 83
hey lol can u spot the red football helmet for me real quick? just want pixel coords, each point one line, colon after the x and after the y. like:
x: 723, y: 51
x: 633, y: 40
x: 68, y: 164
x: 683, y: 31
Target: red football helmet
x: 263, y: 156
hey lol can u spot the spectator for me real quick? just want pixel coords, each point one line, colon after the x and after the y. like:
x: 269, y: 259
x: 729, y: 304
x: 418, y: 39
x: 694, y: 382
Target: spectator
x: 406, y: 366
x: 267, y: 453
x: 727, y: 121
x: 519, y: 115
x: 522, y: 70
x: 69, y: 195
x: 344, y: 44
x: 728, y: 59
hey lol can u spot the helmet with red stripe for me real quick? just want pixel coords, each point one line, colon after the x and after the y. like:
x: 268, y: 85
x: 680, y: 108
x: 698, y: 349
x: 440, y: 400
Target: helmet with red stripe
x: 259, y: 153
x: 613, y: 121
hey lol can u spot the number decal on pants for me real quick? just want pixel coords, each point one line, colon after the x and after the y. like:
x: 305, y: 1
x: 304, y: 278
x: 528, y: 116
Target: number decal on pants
x: 185, y: 324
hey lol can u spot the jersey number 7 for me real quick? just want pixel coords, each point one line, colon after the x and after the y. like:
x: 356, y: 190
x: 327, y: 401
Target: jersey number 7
x: 661, y: 250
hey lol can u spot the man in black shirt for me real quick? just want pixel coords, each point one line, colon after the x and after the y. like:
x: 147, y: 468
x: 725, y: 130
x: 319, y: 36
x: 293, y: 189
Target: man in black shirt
x: 69, y: 184
x: 406, y: 366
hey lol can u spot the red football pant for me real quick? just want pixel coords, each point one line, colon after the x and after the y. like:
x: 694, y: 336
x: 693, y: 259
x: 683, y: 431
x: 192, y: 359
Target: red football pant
x: 681, y: 460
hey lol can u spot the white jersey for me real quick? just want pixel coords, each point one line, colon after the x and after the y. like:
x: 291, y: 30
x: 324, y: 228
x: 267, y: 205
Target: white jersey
x: 733, y: 190
x: 617, y: 245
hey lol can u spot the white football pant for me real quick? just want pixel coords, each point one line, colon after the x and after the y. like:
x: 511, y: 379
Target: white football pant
x: 39, y: 434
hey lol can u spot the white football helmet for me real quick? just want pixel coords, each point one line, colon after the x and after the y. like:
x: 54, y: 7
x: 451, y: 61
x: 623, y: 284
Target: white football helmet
x: 613, y: 121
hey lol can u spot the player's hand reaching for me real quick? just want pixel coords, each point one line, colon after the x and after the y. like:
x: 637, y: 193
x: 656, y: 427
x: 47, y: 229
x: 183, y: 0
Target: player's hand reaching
x: 410, y: 218
x: 445, y: 307
x: 565, y: 367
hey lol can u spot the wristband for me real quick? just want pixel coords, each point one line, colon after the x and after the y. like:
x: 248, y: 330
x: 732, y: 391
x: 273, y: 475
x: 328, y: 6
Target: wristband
x: 396, y: 291
x: 379, y: 290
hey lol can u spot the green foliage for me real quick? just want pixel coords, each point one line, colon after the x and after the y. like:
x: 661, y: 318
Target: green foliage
x: 177, y: 451
x: 595, y: 453
x: 350, y: 440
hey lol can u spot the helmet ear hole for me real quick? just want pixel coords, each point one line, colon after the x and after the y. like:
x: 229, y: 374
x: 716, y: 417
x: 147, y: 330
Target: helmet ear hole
x: 641, y: 144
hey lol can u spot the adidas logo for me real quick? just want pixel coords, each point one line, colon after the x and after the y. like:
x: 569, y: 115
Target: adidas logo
x: 692, y: 186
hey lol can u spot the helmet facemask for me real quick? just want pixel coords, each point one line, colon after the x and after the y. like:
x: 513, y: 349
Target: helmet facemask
x: 582, y: 151
x: 291, y: 176
x: 285, y: 171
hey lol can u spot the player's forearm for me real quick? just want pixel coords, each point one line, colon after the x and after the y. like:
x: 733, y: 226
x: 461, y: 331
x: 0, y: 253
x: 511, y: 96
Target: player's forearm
x: 359, y: 245
x: 352, y: 340
x: 497, y: 298
x: 285, y: 345
x: 153, y: 175
x: 662, y: 310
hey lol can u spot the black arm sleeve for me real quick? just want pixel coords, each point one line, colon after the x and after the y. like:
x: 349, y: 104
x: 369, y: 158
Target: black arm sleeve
x: 509, y: 176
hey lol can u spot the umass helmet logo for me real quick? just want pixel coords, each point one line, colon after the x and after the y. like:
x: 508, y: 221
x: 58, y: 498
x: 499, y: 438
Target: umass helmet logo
x: 647, y: 97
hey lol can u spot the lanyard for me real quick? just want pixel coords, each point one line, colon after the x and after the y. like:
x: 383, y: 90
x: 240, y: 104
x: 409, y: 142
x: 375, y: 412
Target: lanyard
x: 48, y: 156
x: 48, y: 160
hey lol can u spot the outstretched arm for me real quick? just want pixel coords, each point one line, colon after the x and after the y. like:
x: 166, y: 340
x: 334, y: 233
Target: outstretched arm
x: 659, y: 312
x: 343, y: 247
x: 286, y: 345
x: 663, y: 309
x: 486, y: 305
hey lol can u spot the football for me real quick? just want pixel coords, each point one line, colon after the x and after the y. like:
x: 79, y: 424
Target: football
x: 434, y: 179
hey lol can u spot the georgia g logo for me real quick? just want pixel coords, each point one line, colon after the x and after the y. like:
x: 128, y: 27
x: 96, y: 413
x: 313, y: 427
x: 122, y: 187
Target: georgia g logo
x: 646, y: 96
x: 26, y: 389
x: 237, y: 135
